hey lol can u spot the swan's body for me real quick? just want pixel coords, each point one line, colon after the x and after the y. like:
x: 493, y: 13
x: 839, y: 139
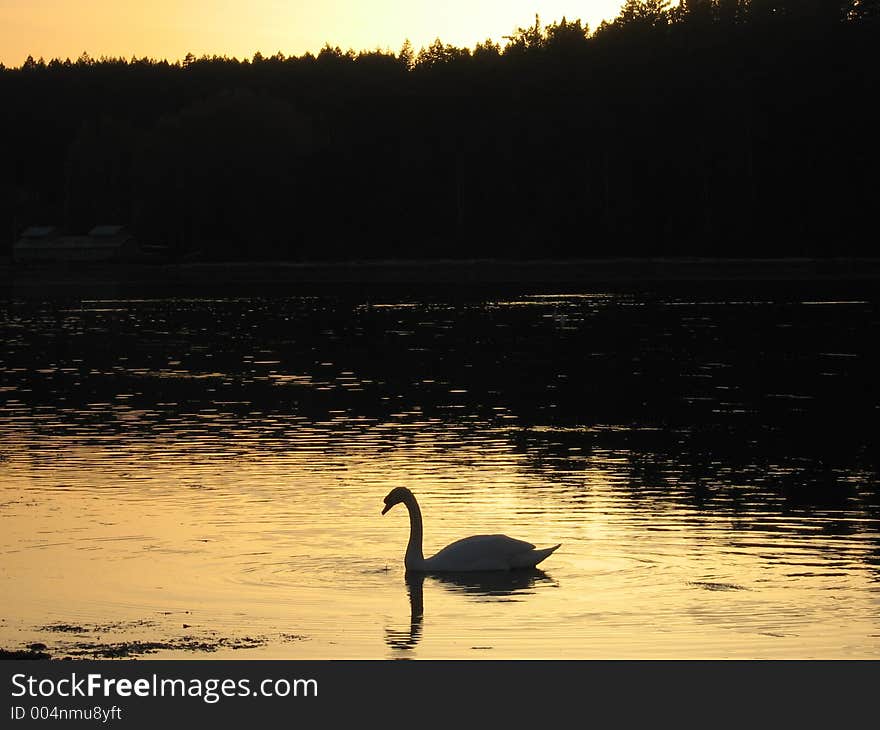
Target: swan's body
x: 477, y: 553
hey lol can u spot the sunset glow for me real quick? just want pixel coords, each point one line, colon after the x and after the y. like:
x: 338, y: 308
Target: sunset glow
x: 171, y: 29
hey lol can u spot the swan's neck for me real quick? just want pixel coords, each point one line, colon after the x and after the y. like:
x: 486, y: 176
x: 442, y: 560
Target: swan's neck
x: 414, y: 558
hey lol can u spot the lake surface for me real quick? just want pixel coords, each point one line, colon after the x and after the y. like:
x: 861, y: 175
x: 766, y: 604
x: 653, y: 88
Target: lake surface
x: 181, y: 475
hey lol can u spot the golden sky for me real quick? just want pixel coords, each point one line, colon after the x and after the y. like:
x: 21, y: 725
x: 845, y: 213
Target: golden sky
x: 172, y: 28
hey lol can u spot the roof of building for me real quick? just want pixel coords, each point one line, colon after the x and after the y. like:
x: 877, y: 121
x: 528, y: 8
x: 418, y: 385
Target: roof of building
x: 38, y: 231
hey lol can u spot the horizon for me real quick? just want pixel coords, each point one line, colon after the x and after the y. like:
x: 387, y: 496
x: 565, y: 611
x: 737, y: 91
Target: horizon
x: 60, y: 29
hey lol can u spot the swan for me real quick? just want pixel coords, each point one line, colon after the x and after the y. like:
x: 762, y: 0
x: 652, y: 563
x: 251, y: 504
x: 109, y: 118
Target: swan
x: 476, y: 553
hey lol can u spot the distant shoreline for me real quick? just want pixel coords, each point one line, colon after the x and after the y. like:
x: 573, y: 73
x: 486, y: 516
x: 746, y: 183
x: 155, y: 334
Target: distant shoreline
x: 31, y: 278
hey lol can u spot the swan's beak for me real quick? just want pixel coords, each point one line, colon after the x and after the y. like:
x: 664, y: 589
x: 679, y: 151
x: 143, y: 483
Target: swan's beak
x: 386, y: 508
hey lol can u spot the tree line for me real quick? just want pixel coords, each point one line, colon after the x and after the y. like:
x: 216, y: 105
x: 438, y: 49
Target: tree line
x: 706, y: 128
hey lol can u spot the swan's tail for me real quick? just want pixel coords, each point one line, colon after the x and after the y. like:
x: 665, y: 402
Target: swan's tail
x: 533, y: 557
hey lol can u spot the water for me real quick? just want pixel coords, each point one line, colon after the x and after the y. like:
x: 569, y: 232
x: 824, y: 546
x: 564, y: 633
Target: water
x: 207, y: 473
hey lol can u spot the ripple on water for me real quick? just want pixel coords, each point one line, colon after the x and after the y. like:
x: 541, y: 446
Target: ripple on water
x: 221, y: 463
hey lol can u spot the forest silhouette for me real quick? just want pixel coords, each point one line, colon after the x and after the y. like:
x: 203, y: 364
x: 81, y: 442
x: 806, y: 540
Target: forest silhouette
x: 711, y: 128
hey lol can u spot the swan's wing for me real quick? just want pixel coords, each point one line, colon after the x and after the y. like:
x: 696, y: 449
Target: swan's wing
x: 481, y: 552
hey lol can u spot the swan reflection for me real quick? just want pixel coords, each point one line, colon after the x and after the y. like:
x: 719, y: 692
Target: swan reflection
x: 513, y: 585
x: 495, y: 584
x: 403, y: 639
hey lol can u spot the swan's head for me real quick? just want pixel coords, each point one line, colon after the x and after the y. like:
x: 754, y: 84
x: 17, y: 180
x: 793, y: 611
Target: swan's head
x: 395, y: 496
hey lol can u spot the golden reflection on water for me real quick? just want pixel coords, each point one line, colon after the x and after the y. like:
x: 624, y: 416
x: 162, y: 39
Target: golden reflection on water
x: 273, y: 545
x: 256, y: 530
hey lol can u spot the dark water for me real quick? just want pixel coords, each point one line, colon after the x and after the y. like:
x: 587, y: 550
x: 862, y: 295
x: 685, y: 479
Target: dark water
x: 708, y: 459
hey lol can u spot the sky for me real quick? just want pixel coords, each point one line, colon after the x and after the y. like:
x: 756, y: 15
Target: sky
x: 172, y: 28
